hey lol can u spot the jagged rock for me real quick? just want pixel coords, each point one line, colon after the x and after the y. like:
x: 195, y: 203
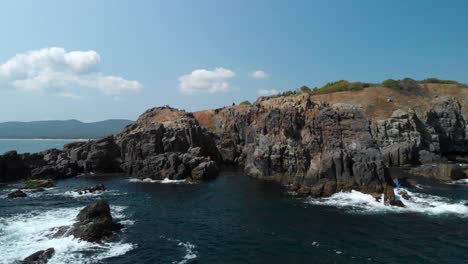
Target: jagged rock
x: 405, y: 140
x: 40, y: 257
x: 12, y: 167
x: 444, y: 172
x: 168, y: 143
x: 102, y: 155
x: 446, y: 117
x: 17, y: 194
x: 94, y: 224
x: 91, y: 189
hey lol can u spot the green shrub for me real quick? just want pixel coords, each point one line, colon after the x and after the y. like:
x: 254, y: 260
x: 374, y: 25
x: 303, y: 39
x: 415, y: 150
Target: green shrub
x: 435, y: 80
x: 341, y: 86
x: 305, y: 89
x: 406, y: 86
x: 246, y: 102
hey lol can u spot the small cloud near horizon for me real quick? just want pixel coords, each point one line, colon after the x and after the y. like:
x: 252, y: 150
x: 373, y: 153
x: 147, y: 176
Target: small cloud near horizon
x: 259, y: 74
x: 207, y: 81
x: 55, y: 70
x: 266, y: 92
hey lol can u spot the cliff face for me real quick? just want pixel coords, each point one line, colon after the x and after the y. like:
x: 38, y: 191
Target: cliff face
x: 314, y: 147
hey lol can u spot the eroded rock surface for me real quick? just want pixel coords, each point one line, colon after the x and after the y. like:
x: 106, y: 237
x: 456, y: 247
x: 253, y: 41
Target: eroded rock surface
x: 168, y: 143
x: 94, y: 224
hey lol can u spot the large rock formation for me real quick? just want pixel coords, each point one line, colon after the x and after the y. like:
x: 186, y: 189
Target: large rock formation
x: 168, y: 143
x: 316, y: 148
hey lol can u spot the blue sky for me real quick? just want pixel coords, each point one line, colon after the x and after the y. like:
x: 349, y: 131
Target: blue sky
x: 115, y: 59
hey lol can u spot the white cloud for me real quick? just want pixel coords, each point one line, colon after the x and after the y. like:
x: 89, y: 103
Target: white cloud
x: 69, y: 95
x: 259, y: 74
x: 210, y: 81
x: 57, y: 71
x: 266, y: 92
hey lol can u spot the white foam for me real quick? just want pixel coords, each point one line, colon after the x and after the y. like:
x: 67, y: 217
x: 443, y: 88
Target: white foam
x: 418, y: 202
x: 24, y: 234
x: 75, y: 194
x: 190, y: 252
x: 164, y: 181
x: 460, y: 182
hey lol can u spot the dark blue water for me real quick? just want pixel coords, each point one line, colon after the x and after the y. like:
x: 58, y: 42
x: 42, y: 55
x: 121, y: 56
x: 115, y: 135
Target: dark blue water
x: 31, y: 145
x: 235, y: 219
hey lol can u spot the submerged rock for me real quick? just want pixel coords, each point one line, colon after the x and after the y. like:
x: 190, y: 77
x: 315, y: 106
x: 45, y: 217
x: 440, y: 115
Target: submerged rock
x: 40, y: 257
x: 94, y: 224
x: 17, y: 194
x: 36, y: 184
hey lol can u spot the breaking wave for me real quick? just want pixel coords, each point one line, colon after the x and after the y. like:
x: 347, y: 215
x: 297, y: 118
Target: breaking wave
x: 165, y: 181
x: 355, y: 201
x: 24, y: 234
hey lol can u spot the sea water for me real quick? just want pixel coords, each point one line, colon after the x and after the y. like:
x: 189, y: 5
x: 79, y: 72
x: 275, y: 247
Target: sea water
x: 236, y: 219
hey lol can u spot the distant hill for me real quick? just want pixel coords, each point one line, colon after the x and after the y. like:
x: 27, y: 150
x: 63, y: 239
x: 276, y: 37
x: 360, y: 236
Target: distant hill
x: 66, y: 129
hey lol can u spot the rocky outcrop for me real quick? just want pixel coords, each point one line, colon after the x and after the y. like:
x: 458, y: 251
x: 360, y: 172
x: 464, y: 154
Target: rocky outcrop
x: 168, y: 143
x: 39, y: 257
x: 100, y: 156
x: 94, y: 224
x: 12, y: 167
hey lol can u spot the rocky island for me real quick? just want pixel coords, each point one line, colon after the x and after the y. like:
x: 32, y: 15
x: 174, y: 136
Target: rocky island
x: 342, y: 137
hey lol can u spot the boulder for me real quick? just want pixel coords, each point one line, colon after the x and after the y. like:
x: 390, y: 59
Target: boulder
x: 40, y: 257
x: 94, y: 224
x: 17, y: 194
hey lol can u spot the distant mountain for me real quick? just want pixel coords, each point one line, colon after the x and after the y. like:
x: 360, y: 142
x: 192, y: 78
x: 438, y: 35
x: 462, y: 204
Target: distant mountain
x: 66, y: 129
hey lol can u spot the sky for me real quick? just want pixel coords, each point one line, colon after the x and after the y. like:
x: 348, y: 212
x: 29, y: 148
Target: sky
x: 93, y: 60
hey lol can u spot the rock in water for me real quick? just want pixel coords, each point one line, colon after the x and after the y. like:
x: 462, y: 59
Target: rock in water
x: 17, y: 194
x: 94, y: 224
x: 36, y: 184
x: 91, y: 189
x: 40, y: 257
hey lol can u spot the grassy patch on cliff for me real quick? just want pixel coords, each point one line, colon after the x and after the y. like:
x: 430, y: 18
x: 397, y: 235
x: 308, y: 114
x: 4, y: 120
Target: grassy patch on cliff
x: 405, y: 86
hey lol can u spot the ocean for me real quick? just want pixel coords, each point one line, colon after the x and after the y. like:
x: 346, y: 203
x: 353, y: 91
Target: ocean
x: 237, y: 219
x: 32, y: 145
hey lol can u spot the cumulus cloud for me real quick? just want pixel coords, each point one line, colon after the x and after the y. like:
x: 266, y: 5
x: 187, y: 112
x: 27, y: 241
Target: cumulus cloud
x: 259, y: 74
x: 266, y: 92
x: 209, y: 81
x: 57, y: 71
